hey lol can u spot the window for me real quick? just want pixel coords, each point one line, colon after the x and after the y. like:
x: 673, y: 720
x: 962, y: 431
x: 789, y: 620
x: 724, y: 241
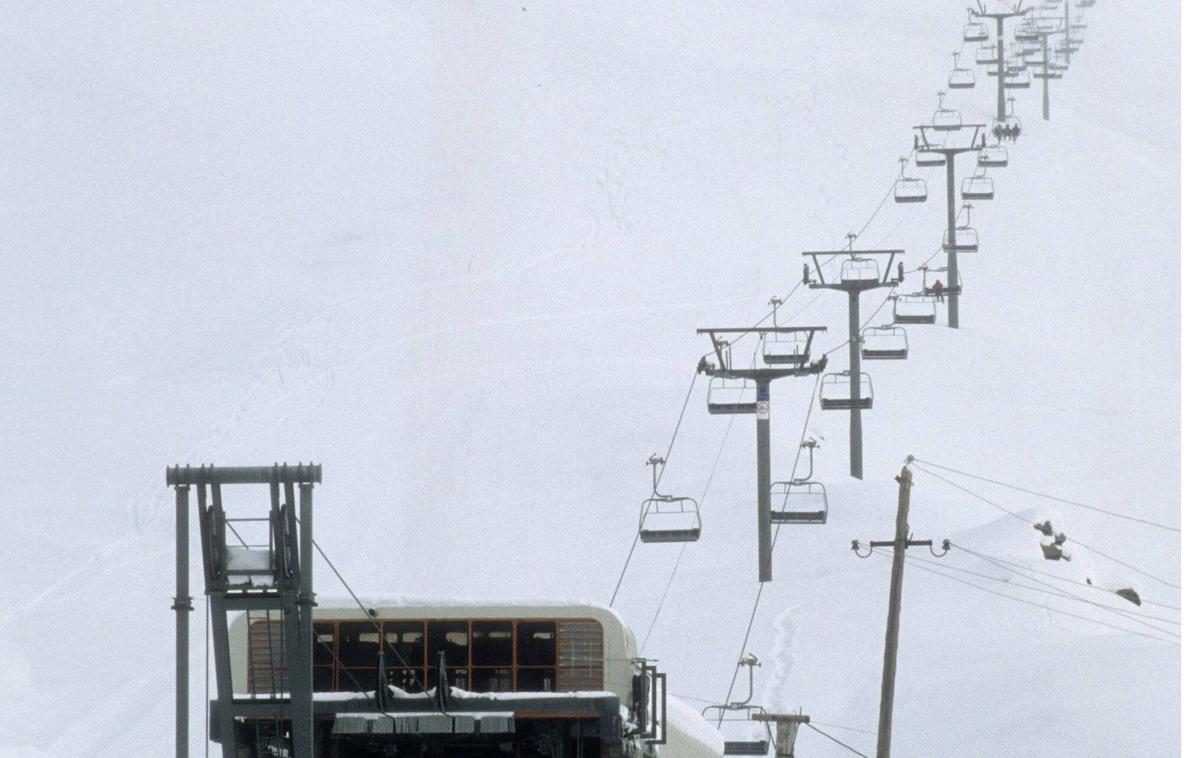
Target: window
x: 449, y: 637
x: 492, y: 644
x: 535, y: 643
x: 358, y: 644
x: 404, y: 643
x: 536, y: 679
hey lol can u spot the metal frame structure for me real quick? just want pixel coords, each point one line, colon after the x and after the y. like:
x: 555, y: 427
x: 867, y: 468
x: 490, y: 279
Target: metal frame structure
x: 653, y: 506
x: 949, y: 153
x: 762, y: 378
x: 981, y: 11
x: 1042, y: 29
x: 853, y: 289
x: 269, y: 577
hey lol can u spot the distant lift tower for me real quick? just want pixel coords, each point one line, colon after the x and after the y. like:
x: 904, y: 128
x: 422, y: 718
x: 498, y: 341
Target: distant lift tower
x: 786, y: 351
x: 1041, y: 29
x: 981, y: 11
x: 859, y: 273
x: 933, y: 150
x: 260, y: 565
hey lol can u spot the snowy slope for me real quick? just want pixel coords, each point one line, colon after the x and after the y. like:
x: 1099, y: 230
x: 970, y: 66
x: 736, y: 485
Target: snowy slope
x: 458, y: 255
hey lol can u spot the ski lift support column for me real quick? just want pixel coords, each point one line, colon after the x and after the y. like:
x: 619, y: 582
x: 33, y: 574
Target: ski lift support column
x: 1046, y: 28
x: 853, y: 288
x: 950, y: 152
x: 286, y: 581
x: 762, y: 378
x: 981, y: 11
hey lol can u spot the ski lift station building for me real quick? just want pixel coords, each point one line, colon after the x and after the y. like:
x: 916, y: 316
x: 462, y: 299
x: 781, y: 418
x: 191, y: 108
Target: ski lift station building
x: 448, y: 678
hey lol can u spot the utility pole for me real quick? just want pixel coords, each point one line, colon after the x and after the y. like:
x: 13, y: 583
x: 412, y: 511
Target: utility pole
x: 949, y: 153
x: 981, y: 11
x: 859, y: 274
x: 899, y: 546
x: 792, y: 361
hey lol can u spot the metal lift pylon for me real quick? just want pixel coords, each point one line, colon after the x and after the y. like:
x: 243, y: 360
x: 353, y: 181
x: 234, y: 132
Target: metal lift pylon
x: 949, y: 153
x: 854, y: 285
x: 799, y: 365
x: 258, y: 577
x: 981, y: 11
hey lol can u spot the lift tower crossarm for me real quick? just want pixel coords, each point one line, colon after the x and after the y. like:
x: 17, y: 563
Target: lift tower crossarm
x: 886, y: 280
x: 762, y: 378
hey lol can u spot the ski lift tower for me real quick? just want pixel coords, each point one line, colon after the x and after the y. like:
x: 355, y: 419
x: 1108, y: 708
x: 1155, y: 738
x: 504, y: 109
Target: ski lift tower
x: 948, y: 152
x: 795, y: 362
x: 859, y: 273
x: 1041, y: 29
x: 272, y: 573
x: 999, y: 16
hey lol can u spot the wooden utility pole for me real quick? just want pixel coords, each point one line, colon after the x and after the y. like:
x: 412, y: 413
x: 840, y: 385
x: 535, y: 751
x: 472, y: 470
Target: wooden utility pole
x: 899, y: 546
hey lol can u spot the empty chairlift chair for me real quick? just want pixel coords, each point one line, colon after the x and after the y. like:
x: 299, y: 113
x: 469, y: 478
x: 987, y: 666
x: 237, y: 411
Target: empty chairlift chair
x: 946, y: 119
x: 799, y: 502
x: 860, y: 270
x: 727, y: 396
x: 929, y: 159
x: 914, y: 309
x: 909, y: 189
x: 835, y: 392
x: 992, y: 156
x: 966, y: 239
x: 978, y: 187
x: 788, y: 349
x: 987, y: 55
x: 884, y: 343
x: 961, y: 78
x: 1018, y: 79
x: 667, y: 518
x: 742, y: 746
x: 974, y: 31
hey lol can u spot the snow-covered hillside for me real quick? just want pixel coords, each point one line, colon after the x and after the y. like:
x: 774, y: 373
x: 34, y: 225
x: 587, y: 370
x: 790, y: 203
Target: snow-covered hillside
x: 458, y: 253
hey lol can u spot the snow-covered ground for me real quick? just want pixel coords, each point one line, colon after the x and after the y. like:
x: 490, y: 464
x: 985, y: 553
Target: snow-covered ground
x: 457, y: 254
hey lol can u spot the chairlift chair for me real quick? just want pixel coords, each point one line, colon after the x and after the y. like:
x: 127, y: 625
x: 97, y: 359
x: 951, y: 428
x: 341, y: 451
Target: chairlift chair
x: 914, y: 309
x: 966, y: 240
x: 799, y: 502
x: 742, y: 747
x: 946, y: 119
x: 978, y: 187
x: 992, y: 156
x: 667, y: 518
x: 961, y: 78
x: 1027, y: 31
x: 835, y: 392
x: 975, y: 31
x: 860, y: 270
x: 726, y: 396
x: 884, y: 343
x: 987, y: 55
x: 909, y: 189
x: 1017, y: 79
x: 786, y: 348
x: 929, y: 159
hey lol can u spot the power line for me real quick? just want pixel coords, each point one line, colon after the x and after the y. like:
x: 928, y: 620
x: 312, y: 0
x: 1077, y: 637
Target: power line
x: 1046, y: 608
x: 1055, y: 577
x: 671, y: 446
x: 1074, y: 541
x: 1055, y: 498
x: 828, y: 736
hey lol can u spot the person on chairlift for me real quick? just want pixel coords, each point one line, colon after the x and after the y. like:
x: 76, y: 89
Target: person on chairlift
x: 937, y: 290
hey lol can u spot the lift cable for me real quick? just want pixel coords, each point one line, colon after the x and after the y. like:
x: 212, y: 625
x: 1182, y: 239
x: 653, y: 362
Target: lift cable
x: 1037, y: 605
x: 1055, y: 592
x: 1055, y: 498
x: 828, y: 736
x: 758, y: 596
x: 1052, y: 576
x: 403, y: 663
x: 700, y: 503
x: 666, y: 458
x: 1030, y: 522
